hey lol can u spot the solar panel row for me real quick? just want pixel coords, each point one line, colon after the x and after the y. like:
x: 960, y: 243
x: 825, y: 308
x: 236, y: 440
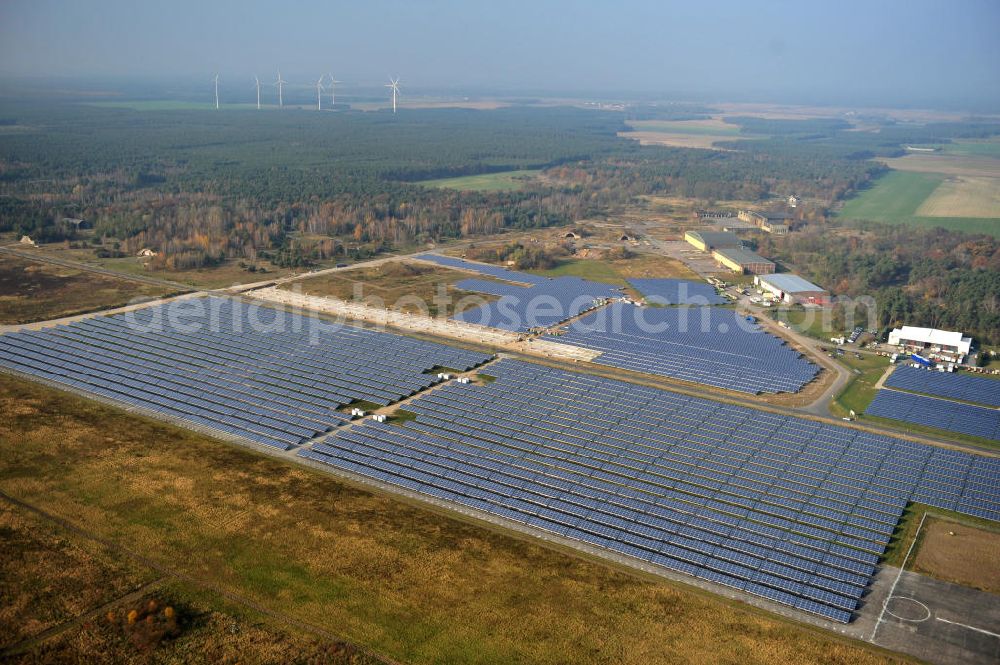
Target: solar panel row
x: 484, y: 269
x: 785, y: 508
x: 251, y: 372
x: 943, y: 414
x: 544, y: 303
x: 964, y: 387
x: 677, y: 292
x: 707, y: 345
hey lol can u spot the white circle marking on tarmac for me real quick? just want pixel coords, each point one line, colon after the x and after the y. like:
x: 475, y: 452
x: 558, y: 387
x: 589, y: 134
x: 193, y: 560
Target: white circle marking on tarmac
x: 926, y: 610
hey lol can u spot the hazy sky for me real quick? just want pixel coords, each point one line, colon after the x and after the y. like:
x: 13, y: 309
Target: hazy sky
x: 913, y: 50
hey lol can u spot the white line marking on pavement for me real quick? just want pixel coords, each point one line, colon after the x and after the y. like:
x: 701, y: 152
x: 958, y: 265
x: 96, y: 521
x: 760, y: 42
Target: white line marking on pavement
x: 892, y: 589
x: 962, y: 625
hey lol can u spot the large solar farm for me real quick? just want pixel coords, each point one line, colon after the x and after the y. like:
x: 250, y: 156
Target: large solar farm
x: 789, y: 512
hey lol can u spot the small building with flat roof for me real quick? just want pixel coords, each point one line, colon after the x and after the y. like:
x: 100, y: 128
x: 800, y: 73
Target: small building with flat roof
x: 706, y: 241
x: 743, y: 261
x: 793, y: 289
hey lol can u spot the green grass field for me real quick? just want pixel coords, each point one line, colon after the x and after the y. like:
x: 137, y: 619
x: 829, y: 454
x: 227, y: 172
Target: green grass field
x: 597, y: 271
x: 895, y: 197
x: 813, y: 322
x: 972, y: 147
x: 860, y: 392
x: 503, y: 181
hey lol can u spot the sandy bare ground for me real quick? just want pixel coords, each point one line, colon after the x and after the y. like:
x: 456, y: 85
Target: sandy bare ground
x: 970, y: 557
x: 957, y: 165
x: 703, y: 141
x: 466, y: 332
x: 963, y: 196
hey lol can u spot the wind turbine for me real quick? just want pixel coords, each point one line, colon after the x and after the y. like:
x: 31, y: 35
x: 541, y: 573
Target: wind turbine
x: 319, y: 93
x: 333, y: 91
x: 258, y: 91
x: 216, y: 92
x: 394, y: 84
x: 280, y: 83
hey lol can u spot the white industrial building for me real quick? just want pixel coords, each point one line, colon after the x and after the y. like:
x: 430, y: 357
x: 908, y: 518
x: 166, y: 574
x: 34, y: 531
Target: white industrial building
x: 791, y: 288
x: 943, y: 344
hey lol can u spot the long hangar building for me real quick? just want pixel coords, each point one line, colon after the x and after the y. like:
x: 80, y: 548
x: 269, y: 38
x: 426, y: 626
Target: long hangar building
x: 706, y: 241
x: 743, y: 261
x: 793, y: 289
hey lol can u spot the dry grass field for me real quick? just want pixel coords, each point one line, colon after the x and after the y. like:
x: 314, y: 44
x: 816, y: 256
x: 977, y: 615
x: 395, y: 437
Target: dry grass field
x: 401, y: 285
x: 47, y: 579
x: 412, y: 584
x: 31, y: 291
x: 66, y: 598
x: 959, y: 553
x: 226, y: 274
x: 616, y: 271
x: 963, y: 196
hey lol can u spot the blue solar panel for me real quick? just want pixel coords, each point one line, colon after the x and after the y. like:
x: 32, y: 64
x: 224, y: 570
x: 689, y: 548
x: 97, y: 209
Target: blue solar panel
x: 271, y: 377
x: 542, y: 303
x: 677, y: 292
x: 933, y: 412
x: 976, y: 389
x: 643, y: 483
x: 711, y: 346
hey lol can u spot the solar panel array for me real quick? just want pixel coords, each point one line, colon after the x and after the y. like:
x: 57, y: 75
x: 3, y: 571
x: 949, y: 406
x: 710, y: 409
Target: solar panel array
x: 935, y: 412
x: 484, y: 269
x: 677, y: 292
x: 793, y: 510
x: 707, y: 345
x: 545, y: 303
x: 276, y: 387
x: 943, y: 384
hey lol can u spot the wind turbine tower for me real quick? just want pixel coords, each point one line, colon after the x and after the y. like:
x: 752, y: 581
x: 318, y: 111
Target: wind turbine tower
x: 216, y: 92
x: 319, y: 93
x: 394, y: 84
x: 280, y: 83
x: 258, y: 91
x: 333, y: 91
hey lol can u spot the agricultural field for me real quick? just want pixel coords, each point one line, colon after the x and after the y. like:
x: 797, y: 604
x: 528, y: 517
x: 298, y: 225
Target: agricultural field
x: 682, y: 133
x: 927, y: 198
x: 706, y: 127
x: 403, y: 285
x: 296, y: 545
x: 503, y: 181
x: 963, y: 196
x: 34, y: 291
x: 946, y: 164
x: 973, y: 147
